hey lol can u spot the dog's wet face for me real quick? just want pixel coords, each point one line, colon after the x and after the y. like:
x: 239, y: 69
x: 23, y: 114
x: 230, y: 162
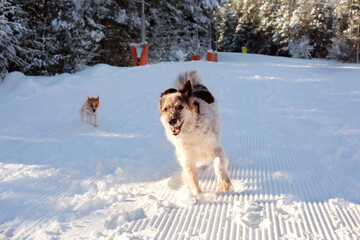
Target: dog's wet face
x: 174, y: 108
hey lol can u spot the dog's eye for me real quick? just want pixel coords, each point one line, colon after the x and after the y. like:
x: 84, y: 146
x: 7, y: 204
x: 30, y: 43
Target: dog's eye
x: 165, y: 109
x: 179, y: 107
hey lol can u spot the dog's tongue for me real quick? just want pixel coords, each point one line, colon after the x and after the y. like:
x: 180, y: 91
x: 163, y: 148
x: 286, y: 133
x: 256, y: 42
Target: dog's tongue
x: 175, y: 130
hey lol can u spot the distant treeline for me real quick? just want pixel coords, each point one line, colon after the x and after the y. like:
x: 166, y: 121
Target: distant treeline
x: 45, y: 37
x: 296, y: 28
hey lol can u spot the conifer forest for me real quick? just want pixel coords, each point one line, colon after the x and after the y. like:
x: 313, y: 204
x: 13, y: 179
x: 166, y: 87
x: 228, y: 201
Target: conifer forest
x: 47, y: 37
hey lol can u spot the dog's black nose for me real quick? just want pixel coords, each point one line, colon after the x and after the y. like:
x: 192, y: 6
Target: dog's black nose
x: 94, y: 110
x: 172, y: 122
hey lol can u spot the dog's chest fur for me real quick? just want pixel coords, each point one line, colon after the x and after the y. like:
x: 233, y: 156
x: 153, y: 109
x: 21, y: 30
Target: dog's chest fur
x: 88, y: 111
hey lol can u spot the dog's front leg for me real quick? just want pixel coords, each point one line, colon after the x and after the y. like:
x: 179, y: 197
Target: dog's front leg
x: 191, y: 179
x: 88, y: 118
x: 220, y: 166
x: 82, y: 116
x: 96, y: 120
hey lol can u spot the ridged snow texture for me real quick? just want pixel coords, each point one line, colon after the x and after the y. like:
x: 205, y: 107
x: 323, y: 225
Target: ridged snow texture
x: 255, y: 213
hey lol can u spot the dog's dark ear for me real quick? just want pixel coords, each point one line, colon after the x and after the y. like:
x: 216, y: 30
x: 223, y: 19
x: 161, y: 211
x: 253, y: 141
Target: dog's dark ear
x: 168, y: 91
x: 186, y: 90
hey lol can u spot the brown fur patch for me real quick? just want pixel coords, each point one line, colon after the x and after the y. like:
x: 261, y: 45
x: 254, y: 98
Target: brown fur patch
x: 91, y: 103
x: 197, y: 106
x: 186, y: 90
x: 184, y: 95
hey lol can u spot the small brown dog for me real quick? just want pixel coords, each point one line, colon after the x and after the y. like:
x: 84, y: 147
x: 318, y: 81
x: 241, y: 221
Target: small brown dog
x: 89, y: 109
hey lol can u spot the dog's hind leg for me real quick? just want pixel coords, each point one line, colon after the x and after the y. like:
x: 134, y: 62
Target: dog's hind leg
x: 220, y: 166
x: 190, y: 177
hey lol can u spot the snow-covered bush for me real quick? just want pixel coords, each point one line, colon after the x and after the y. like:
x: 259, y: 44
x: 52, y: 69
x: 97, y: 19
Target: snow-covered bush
x: 300, y: 48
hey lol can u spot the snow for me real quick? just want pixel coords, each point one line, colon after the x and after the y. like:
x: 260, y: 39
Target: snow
x: 290, y: 129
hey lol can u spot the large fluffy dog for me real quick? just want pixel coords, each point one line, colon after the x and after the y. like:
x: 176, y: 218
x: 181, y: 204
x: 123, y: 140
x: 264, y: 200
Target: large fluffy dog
x: 191, y: 120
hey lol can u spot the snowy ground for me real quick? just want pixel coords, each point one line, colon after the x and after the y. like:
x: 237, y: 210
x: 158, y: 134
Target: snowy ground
x: 290, y: 128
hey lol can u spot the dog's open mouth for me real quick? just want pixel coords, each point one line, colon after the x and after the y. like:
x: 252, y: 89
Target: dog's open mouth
x: 176, y: 130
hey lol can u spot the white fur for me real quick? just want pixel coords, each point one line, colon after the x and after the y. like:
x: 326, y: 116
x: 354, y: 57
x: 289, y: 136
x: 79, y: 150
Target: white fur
x: 199, y: 140
x: 91, y: 117
x: 192, y: 76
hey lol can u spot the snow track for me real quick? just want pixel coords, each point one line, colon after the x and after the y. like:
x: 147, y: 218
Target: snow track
x: 290, y: 129
x: 250, y: 214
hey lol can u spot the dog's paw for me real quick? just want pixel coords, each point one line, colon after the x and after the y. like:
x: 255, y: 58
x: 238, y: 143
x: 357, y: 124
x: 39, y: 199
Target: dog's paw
x: 197, y: 193
x: 225, y: 185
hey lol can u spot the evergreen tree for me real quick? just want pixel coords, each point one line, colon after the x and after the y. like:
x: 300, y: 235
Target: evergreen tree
x: 173, y: 29
x: 299, y: 41
x: 226, y: 24
x: 320, y: 28
x: 48, y: 37
x: 10, y: 33
x: 353, y: 30
x: 340, y: 44
x: 343, y: 47
x: 283, y: 31
x: 268, y: 15
x: 38, y: 40
x: 247, y: 29
x: 113, y: 26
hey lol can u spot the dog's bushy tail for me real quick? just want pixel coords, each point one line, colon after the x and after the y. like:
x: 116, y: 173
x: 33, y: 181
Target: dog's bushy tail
x: 183, y: 77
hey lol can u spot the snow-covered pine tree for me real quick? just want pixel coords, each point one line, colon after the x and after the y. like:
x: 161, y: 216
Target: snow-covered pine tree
x: 247, y: 28
x: 346, y: 15
x: 283, y: 31
x: 173, y: 29
x: 299, y: 42
x: 268, y: 15
x: 128, y: 28
x: 340, y: 48
x: 39, y: 38
x: 354, y: 28
x: 169, y: 35
x: 226, y: 24
x: 63, y: 24
x: 320, y: 30
x: 89, y: 32
x: 114, y: 25
x: 10, y: 33
x: 48, y: 37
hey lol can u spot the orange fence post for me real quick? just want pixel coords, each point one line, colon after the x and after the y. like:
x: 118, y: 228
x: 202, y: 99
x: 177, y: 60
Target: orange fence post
x: 144, y: 55
x: 134, y: 54
x: 216, y: 57
x: 209, y: 56
x: 195, y: 57
x: 139, y: 53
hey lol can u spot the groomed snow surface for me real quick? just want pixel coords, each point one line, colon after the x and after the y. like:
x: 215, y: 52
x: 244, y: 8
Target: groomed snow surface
x: 290, y: 128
